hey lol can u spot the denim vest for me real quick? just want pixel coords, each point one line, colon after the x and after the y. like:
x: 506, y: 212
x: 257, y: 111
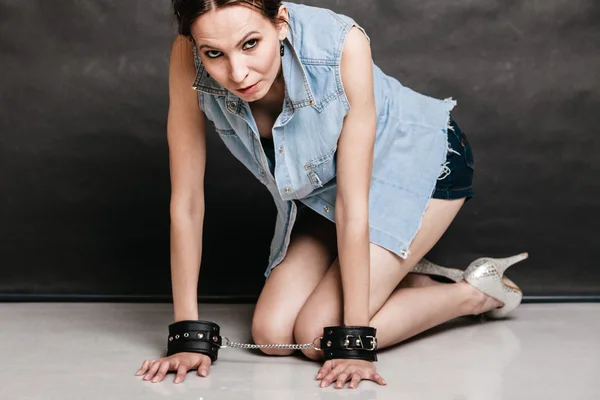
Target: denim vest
x: 410, y: 146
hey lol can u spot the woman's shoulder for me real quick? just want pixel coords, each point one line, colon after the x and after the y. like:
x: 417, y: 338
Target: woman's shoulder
x: 316, y: 28
x: 305, y: 8
x: 314, y: 14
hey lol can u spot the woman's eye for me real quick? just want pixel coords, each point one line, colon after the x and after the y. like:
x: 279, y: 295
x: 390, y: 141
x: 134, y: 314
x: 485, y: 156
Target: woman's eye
x: 213, y: 53
x: 250, y: 44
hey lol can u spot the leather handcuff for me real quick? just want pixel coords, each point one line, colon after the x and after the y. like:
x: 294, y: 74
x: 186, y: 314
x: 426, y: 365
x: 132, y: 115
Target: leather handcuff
x: 337, y: 342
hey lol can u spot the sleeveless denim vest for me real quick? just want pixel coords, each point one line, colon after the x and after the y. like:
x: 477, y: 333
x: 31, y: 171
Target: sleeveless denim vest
x: 410, y: 146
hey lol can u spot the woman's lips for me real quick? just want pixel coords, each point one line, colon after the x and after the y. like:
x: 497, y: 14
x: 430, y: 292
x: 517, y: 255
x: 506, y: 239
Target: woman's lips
x: 249, y: 89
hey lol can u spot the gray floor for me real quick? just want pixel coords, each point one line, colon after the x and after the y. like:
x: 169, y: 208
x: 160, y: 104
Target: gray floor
x: 92, y: 351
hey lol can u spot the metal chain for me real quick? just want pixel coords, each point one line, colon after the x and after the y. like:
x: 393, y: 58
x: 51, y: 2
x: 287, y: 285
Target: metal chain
x: 235, y: 345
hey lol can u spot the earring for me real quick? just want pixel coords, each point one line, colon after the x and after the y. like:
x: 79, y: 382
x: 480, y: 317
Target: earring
x: 281, y: 50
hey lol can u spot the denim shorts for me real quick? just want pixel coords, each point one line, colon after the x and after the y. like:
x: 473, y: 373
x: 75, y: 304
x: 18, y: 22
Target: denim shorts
x: 456, y: 177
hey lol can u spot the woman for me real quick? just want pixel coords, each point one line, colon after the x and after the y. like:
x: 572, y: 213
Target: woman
x: 365, y: 173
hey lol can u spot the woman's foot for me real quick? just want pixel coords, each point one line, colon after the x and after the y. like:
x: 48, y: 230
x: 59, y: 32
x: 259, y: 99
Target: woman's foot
x: 497, y: 295
x: 480, y: 302
x: 487, y: 275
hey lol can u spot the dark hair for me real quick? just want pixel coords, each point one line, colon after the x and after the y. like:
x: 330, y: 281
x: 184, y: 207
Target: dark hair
x: 188, y: 11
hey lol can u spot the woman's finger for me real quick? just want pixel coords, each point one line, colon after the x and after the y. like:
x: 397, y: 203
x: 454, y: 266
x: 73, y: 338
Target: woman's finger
x: 356, y: 378
x: 332, y: 375
x: 162, y: 371
x: 152, y: 371
x: 377, y: 378
x: 181, y: 373
x: 204, y: 367
x: 144, y: 367
x: 324, y: 370
x: 342, y: 379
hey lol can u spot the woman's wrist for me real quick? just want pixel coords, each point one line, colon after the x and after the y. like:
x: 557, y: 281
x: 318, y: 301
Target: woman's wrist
x: 185, y: 306
x: 356, y: 313
x: 349, y: 342
x: 186, y: 315
x: 356, y: 320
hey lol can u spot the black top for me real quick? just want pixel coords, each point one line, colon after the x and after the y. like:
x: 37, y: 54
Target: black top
x: 269, y: 148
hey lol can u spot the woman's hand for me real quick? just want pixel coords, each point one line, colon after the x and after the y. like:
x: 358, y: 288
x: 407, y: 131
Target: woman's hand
x: 180, y: 362
x: 343, y: 371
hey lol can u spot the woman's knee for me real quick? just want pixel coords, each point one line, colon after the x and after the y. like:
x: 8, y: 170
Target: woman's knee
x: 322, y: 308
x: 310, y: 335
x: 267, y: 329
x: 309, y: 330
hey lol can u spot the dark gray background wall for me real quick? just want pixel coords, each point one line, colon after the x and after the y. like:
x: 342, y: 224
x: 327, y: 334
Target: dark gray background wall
x: 84, y: 165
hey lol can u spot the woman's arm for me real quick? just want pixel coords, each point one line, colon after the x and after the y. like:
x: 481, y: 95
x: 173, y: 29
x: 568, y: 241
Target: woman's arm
x: 187, y: 160
x: 354, y: 167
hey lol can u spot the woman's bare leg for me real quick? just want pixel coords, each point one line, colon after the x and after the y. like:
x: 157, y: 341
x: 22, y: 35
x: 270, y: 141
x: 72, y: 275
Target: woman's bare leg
x: 410, y: 310
x: 412, y: 280
x: 311, y: 251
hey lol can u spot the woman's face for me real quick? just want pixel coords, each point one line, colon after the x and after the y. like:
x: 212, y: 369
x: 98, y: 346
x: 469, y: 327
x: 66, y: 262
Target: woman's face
x: 240, y: 49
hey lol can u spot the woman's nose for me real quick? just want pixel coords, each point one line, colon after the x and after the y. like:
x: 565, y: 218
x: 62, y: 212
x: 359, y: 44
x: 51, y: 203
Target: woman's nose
x: 238, y: 70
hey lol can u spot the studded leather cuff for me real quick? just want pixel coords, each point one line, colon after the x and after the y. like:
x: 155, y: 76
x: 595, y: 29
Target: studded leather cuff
x: 349, y: 342
x: 194, y: 337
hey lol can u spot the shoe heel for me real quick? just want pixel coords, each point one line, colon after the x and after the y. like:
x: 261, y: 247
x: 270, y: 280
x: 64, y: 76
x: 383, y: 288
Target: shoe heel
x: 502, y: 264
x: 499, y: 264
x: 426, y: 267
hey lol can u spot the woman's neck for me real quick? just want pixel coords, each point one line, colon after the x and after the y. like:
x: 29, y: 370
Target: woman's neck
x: 274, y: 97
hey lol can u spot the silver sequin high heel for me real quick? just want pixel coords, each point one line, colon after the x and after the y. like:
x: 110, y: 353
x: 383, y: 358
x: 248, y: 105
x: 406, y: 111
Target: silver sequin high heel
x: 485, y: 274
